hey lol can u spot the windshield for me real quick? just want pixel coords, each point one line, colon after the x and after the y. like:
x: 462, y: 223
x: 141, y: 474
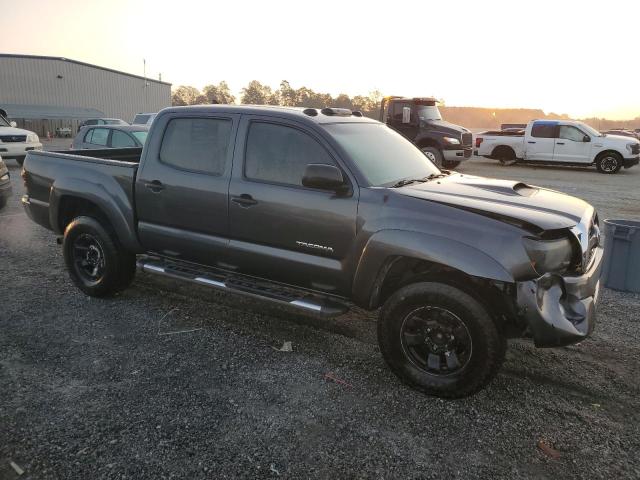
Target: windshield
x: 141, y: 119
x: 429, y: 112
x: 114, y: 121
x: 382, y: 155
x: 4, y: 122
x: 141, y: 136
x: 590, y: 130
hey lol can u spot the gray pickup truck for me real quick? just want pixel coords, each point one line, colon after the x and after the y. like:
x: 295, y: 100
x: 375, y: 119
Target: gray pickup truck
x: 321, y: 210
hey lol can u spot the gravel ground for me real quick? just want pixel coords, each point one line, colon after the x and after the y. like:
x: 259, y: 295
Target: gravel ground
x: 173, y: 381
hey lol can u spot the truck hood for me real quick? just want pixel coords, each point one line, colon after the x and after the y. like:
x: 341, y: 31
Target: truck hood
x: 614, y: 140
x: 442, y: 126
x: 14, y: 131
x: 533, y: 208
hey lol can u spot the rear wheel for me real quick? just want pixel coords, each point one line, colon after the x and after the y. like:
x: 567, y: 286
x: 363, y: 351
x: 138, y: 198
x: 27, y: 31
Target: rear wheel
x: 505, y: 155
x: 440, y: 340
x: 97, y: 264
x: 609, y: 162
x: 433, y: 154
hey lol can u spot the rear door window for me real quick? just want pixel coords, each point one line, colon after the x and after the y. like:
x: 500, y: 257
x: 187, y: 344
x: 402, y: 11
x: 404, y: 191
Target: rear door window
x: 121, y: 139
x: 197, y: 144
x: 544, y: 130
x: 99, y: 136
x: 280, y: 154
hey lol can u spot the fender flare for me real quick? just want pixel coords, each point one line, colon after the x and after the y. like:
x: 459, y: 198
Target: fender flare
x: 387, y: 245
x: 113, y: 202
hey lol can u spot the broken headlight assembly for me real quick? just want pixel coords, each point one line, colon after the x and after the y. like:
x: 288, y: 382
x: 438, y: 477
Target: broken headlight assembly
x: 549, y: 256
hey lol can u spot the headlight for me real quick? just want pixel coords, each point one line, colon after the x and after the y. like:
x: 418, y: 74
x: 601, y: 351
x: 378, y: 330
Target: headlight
x: 630, y: 147
x: 32, y: 138
x: 451, y: 141
x: 549, y: 255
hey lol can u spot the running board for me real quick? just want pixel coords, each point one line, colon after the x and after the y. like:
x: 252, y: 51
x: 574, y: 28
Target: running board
x: 244, y: 285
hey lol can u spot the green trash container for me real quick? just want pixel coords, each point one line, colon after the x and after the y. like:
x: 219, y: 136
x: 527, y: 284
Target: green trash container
x: 621, y: 269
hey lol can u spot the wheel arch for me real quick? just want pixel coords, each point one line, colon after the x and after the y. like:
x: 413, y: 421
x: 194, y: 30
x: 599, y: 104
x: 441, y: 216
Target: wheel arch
x: 608, y: 151
x: 73, y: 197
x: 429, y: 142
x: 391, y: 257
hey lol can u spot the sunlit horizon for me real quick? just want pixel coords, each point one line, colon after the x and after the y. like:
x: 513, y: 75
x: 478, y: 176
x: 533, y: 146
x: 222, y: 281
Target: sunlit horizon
x: 487, y: 54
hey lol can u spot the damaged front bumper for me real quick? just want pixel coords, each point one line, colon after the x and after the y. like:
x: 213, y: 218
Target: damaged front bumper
x: 561, y: 310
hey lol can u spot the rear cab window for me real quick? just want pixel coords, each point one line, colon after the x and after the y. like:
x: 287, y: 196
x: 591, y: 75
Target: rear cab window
x: 544, y: 130
x: 280, y: 154
x: 197, y: 144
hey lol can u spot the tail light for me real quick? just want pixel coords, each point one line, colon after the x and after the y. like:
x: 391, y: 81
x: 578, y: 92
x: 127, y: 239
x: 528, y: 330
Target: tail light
x: 479, y: 141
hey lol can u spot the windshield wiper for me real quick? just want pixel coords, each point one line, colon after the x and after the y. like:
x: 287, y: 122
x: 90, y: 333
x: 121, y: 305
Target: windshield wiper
x: 407, y: 181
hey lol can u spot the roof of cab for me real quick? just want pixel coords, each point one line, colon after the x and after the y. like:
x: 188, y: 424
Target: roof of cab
x: 293, y: 113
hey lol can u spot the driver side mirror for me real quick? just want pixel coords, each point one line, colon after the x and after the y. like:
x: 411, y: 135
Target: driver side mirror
x: 13, y: 124
x: 323, y: 177
x: 586, y: 138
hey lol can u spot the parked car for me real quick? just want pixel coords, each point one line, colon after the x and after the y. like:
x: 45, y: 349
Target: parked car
x: 622, y: 133
x: 16, y: 142
x: 561, y: 142
x: 5, y: 184
x: 110, y: 136
x: 63, y: 132
x: 419, y: 119
x: 102, y: 121
x: 144, y: 119
x: 322, y: 209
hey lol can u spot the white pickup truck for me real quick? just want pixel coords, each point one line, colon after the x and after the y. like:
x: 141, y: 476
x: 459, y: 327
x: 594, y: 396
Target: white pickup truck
x: 16, y: 142
x: 560, y: 142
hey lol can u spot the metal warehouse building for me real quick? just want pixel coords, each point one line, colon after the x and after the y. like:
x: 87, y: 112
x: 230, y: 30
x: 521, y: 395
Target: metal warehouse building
x: 43, y: 93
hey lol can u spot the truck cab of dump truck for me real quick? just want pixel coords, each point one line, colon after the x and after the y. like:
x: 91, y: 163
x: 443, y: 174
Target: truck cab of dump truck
x: 419, y: 119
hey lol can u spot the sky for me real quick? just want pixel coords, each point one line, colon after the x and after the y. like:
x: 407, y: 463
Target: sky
x: 564, y: 56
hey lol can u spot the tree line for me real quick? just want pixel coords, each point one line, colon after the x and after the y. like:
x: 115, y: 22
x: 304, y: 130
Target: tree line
x: 256, y: 93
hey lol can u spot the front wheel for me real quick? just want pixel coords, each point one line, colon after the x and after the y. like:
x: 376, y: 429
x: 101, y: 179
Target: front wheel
x: 450, y: 164
x: 97, y: 264
x: 440, y: 340
x: 433, y: 154
x: 609, y: 162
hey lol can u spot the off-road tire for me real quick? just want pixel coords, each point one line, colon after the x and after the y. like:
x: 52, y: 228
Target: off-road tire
x: 609, y: 162
x: 119, y: 265
x: 488, y: 344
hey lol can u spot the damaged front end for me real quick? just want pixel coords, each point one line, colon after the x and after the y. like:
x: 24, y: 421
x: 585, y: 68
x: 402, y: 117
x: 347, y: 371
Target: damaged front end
x: 559, y: 307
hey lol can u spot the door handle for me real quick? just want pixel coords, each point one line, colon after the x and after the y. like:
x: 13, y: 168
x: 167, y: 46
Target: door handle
x: 530, y: 141
x: 559, y: 143
x: 155, y: 186
x: 245, y: 200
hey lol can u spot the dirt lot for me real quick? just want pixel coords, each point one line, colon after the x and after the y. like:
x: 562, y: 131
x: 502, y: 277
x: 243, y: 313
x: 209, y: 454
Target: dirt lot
x: 172, y: 381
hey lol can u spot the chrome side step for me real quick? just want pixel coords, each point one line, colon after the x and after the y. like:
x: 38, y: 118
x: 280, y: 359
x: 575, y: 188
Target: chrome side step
x: 244, y: 285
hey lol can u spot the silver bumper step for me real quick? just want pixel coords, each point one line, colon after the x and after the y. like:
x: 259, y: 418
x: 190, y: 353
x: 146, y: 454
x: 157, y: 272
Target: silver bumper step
x: 244, y: 285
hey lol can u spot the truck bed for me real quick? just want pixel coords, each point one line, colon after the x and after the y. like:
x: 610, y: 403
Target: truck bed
x: 104, y: 178
x: 131, y: 155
